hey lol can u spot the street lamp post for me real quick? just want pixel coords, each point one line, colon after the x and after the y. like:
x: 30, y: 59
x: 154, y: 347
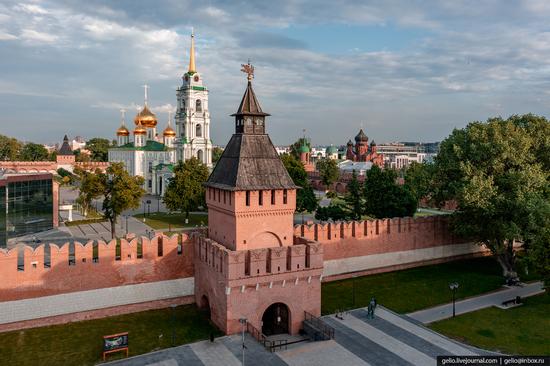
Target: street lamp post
x: 148, y: 207
x: 144, y: 214
x: 173, y: 306
x: 453, y: 287
x: 243, y: 323
x: 126, y: 216
x: 353, y: 297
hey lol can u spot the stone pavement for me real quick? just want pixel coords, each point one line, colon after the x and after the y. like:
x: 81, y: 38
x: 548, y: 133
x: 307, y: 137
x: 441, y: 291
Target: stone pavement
x: 476, y: 303
x: 389, y: 339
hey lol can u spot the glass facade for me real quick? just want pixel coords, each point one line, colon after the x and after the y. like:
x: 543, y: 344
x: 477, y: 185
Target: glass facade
x: 26, y: 207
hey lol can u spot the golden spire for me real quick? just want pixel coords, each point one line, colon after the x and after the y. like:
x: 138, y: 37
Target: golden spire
x: 192, y: 68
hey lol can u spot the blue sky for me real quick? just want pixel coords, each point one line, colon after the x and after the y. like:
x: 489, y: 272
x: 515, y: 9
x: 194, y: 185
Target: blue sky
x: 404, y: 70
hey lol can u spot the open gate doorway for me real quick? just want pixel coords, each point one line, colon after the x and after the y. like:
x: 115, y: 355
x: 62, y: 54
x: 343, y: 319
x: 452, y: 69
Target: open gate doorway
x: 276, y: 319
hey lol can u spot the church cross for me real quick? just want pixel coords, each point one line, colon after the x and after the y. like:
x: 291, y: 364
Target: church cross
x: 145, y: 87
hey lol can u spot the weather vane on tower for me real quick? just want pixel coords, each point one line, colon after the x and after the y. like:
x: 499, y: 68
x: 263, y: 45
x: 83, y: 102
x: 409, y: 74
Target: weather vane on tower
x: 249, y: 70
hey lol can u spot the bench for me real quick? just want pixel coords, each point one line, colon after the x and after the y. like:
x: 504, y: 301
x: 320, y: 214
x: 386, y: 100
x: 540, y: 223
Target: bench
x: 515, y: 301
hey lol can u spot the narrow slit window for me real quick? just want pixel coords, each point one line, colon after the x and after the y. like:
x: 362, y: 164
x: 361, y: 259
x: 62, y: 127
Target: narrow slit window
x: 261, y: 198
x: 272, y: 196
x: 285, y: 196
x: 248, y: 198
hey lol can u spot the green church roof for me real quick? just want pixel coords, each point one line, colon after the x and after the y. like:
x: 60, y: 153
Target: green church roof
x: 149, y: 146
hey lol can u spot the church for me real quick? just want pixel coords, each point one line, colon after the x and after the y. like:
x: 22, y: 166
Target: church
x: 153, y: 156
x: 363, y: 152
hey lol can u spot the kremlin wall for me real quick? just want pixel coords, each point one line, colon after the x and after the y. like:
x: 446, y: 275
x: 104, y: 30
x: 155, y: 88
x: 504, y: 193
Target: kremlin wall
x: 75, y: 282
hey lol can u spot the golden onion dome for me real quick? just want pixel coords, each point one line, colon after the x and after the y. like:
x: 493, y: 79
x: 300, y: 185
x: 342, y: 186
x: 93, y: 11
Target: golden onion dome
x: 140, y: 130
x: 146, y: 117
x: 122, y: 131
x: 169, y: 132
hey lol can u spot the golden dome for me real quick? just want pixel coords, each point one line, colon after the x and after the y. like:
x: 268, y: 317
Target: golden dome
x: 169, y: 132
x: 140, y: 130
x: 146, y: 117
x: 122, y: 131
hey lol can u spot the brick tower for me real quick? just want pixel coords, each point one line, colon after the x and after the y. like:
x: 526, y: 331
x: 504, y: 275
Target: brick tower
x: 250, y: 265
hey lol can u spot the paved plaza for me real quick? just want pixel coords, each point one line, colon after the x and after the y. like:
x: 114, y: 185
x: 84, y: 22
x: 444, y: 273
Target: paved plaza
x: 389, y: 339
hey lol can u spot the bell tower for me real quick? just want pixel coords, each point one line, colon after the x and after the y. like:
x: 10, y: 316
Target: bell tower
x: 192, y: 115
x: 250, y: 265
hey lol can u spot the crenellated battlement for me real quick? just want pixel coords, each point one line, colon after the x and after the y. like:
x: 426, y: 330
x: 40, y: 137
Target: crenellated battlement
x: 50, y: 269
x: 232, y: 265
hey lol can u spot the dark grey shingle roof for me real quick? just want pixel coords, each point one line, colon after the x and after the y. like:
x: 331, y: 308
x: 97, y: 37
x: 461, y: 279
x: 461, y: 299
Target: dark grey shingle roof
x: 249, y: 104
x: 65, y: 148
x: 250, y: 162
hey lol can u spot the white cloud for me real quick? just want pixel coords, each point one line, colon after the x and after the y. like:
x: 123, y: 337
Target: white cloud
x: 35, y: 36
x: 6, y: 36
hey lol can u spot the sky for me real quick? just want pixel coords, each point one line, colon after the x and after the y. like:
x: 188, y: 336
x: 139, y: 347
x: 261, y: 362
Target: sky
x: 402, y: 70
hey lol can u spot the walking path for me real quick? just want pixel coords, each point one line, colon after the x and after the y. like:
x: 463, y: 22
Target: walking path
x: 389, y: 339
x: 476, y: 303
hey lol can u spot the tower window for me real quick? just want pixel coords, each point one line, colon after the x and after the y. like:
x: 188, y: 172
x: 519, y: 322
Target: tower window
x: 229, y: 194
x: 261, y: 198
x: 198, y: 130
x: 198, y: 105
x: 224, y: 196
x: 285, y: 196
x: 199, y: 155
x: 272, y: 196
x: 248, y: 198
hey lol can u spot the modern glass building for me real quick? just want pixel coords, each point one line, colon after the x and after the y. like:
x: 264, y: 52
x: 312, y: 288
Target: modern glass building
x: 26, y: 205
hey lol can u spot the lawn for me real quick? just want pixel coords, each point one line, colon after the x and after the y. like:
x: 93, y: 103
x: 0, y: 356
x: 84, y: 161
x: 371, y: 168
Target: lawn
x: 416, y: 288
x: 164, y: 220
x: 80, y: 343
x: 524, y: 330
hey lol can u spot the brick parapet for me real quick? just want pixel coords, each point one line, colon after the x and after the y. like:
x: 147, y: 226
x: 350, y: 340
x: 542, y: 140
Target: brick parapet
x: 243, y: 264
x: 357, y: 238
x: 52, y: 269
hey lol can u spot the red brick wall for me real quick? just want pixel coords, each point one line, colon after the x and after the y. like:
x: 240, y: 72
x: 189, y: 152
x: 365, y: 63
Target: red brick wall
x: 359, y: 238
x: 36, y: 280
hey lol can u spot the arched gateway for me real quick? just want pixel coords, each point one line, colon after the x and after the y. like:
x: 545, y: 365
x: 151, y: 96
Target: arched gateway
x: 276, y: 319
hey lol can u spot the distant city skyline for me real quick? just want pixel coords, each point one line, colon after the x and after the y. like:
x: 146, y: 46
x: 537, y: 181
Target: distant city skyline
x: 403, y: 71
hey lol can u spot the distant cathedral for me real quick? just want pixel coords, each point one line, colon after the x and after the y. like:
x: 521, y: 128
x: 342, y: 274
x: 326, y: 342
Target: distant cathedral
x: 362, y: 151
x: 152, y: 156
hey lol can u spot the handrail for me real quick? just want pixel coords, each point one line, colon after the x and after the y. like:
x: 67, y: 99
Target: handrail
x: 326, y: 329
x: 270, y: 345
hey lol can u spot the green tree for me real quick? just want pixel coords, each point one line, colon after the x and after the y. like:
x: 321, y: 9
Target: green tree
x: 81, y: 157
x: 9, y: 148
x: 65, y: 177
x: 305, y: 197
x: 121, y: 191
x: 497, y: 173
x: 354, y: 197
x: 185, y: 191
x: 333, y: 212
x: 33, y: 152
x: 418, y: 177
x: 98, y: 148
x: 328, y: 171
x: 90, y: 187
x: 384, y: 198
x: 216, y: 154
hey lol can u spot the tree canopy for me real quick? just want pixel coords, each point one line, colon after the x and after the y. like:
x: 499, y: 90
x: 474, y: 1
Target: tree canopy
x: 90, y: 187
x: 328, y: 171
x: 33, y: 152
x: 121, y: 191
x: 418, y: 178
x: 9, y: 148
x: 354, y: 198
x: 498, y: 172
x: 305, y: 198
x: 185, y: 191
x: 98, y: 148
x: 384, y: 198
x: 295, y: 147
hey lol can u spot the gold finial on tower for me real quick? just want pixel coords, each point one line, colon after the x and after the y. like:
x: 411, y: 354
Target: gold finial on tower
x: 192, y: 68
x: 249, y: 70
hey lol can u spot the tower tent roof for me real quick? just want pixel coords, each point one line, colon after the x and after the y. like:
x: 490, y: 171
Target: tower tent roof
x: 250, y: 162
x: 249, y: 104
x: 65, y: 147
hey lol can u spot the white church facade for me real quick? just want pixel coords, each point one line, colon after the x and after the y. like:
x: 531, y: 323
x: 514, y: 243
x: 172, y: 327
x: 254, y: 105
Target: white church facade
x: 153, y: 156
